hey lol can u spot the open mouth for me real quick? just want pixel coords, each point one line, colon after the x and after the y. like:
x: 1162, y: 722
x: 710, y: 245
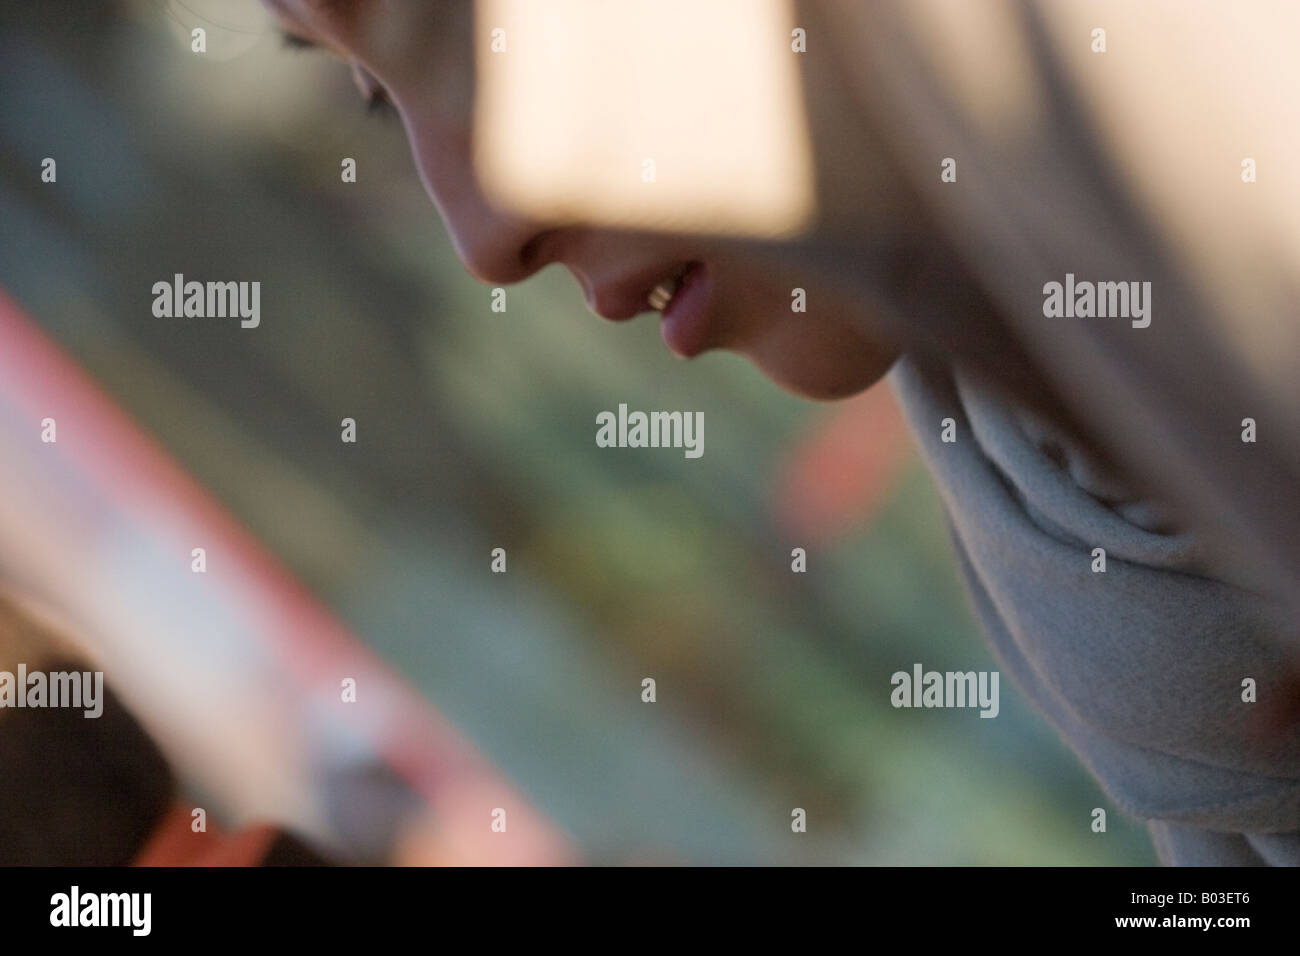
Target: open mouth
x: 684, y: 303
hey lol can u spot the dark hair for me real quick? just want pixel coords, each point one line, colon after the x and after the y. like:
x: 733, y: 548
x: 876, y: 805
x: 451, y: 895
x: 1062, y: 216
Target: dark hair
x: 74, y: 791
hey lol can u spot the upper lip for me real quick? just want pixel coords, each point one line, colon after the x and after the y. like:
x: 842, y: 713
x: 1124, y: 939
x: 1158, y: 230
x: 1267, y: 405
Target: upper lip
x: 627, y: 295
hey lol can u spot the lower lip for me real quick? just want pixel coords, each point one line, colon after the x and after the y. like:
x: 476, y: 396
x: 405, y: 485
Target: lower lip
x: 684, y: 326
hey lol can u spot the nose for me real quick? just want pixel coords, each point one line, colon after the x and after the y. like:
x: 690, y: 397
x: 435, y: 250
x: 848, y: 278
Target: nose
x: 495, y: 246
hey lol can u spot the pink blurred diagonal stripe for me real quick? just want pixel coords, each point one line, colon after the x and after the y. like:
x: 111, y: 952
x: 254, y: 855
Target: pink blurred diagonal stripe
x: 80, y: 521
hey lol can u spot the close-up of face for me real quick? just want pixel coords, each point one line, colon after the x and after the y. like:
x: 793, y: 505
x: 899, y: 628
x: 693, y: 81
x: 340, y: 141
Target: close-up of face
x: 416, y: 60
x: 338, y: 530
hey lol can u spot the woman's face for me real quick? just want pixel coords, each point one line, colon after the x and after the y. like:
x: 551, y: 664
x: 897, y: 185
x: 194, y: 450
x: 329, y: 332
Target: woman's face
x: 417, y: 56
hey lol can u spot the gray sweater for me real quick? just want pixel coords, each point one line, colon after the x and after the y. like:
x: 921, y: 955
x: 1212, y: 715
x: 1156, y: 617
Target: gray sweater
x: 1140, y: 667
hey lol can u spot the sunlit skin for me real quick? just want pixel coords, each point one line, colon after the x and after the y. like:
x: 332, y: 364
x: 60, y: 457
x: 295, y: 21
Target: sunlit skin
x: 417, y: 57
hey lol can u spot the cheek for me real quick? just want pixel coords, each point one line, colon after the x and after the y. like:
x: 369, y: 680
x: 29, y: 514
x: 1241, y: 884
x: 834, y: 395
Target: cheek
x: 749, y: 304
x: 429, y: 42
x: 422, y: 52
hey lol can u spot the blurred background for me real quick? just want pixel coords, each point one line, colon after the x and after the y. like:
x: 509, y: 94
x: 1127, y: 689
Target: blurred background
x: 475, y: 430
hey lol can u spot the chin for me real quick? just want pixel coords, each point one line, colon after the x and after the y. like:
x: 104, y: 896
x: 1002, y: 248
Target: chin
x: 828, y: 375
x: 821, y: 388
x: 824, y: 359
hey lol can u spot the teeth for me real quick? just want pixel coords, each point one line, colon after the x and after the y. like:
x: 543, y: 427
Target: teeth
x: 663, y: 293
